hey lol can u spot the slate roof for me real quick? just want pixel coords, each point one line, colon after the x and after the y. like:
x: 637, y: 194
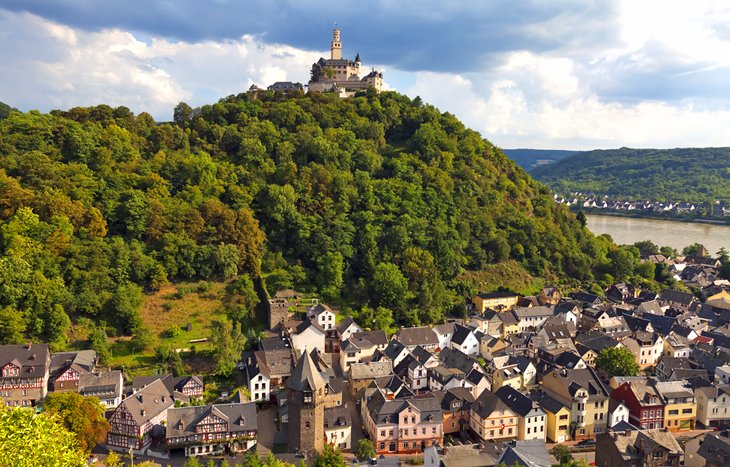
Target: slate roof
x: 274, y: 343
x: 488, y: 403
x: 33, y: 360
x: 528, y: 453
x: 422, y: 354
x: 547, y: 403
x: 306, y: 376
x: 661, y: 324
x: 456, y: 399
x: 103, y: 385
x: 715, y: 449
x: 453, y: 358
x: 181, y: 421
x: 148, y: 402
x: 515, y: 400
x: 383, y: 410
x: 83, y: 361
x: 461, y: 333
x: 575, y: 379
x: 423, y: 335
x: 376, y: 337
x: 344, y: 324
x: 532, y: 312
x: 675, y: 296
x: 337, y: 417
x: 498, y: 294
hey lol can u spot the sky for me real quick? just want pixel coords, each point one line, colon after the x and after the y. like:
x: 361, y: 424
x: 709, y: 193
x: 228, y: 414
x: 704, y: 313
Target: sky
x: 563, y: 74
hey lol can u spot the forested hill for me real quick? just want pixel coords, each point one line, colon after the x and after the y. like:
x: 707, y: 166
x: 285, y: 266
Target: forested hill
x: 378, y: 200
x: 529, y: 159
x: 686, y: 174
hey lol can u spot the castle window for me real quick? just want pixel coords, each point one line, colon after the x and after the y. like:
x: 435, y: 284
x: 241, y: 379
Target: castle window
x: 306, y: 424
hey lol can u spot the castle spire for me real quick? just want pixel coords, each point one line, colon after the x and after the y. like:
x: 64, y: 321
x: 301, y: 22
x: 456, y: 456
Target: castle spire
x: 336, y: 45
x: 357, y: 58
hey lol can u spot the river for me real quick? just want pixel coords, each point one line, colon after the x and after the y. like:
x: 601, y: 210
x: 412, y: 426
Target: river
x: 676, y: 234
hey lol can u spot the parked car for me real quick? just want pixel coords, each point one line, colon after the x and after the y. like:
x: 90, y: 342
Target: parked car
x: 586, y: 443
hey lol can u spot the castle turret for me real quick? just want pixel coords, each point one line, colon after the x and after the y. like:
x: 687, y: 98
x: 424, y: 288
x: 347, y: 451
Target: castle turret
x: 336, y: 45
x: 305, y: 396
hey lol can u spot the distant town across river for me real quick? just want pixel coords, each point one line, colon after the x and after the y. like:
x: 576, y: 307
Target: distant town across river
x: 676, y: 234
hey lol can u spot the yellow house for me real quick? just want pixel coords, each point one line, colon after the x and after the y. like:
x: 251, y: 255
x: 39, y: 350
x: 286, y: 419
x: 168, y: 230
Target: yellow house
x: 680, y: 412
x: 585, y: 394
x: 500, y: 301
x: 508, y: 376
x: 510, y: 324
x: 557, y: 425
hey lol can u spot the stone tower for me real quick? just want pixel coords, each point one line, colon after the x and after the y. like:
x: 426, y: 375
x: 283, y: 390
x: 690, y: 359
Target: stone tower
x: 336, y: 45
x: 305, y: 396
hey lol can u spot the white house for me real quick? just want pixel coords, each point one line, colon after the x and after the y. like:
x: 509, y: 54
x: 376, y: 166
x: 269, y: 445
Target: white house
x: 722, y: 373
x: 617, y: 412
x: 308, y: 336
x: 464, y: 340
x: 713, y: 403
x: 338, y: 427
x: 444, y: 332
x: 347, y: 328
x: 323, y: 316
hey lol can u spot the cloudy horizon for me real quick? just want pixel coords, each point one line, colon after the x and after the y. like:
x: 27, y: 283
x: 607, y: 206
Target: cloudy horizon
x: 568, y: 75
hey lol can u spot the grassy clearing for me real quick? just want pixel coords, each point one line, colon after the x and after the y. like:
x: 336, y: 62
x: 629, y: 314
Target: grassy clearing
x: 509, y: 274
x: 167, y: 313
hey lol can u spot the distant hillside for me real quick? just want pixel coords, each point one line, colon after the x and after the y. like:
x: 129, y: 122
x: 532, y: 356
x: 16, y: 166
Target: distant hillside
x: 529, y: 159
x: 684, y: 174
x: 5, y: 109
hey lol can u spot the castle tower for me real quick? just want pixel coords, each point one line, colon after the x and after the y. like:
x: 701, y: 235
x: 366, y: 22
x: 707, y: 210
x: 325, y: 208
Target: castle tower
x: 336, y: 45
x: 305, y: 396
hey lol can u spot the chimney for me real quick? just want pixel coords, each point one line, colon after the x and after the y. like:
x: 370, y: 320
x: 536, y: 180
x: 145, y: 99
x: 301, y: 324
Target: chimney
x: 28, y: 345
x: 142, y: 412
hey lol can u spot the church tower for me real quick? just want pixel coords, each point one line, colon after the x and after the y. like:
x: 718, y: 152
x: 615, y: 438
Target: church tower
x: 305, y: 396
x: 336, y: 45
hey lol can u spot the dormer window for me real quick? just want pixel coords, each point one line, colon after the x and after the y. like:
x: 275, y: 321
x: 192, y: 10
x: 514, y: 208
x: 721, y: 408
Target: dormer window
x: 180, y: 425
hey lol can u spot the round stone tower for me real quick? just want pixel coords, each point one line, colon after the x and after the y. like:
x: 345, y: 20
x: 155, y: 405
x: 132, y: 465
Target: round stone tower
x: 336, y: 45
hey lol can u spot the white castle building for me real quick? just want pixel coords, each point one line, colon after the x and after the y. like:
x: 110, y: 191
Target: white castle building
x: 341, y: 75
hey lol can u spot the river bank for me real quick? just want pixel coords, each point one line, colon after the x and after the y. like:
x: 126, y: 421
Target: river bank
x: 651, y: 215
x: 664, y: 232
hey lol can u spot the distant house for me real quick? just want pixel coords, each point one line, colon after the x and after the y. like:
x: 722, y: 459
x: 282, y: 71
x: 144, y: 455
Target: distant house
x: 67, y: 367
x: 413, y: 337
x: 265, y: 370
x: 638, y: 449
x: 500, y: 301
x: 24, y: 373
x: 338, y: 427
x: 212, y: 430
x: 134, y: 420
x: 322, y: 315
x: 108, y: 387
x: 308, y: 335
x: 492, y: 420
x: 285, y: 86
x: 531, y: 421
x: 360, y: 346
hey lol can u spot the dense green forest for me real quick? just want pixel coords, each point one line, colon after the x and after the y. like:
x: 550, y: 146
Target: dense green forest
x: 687, y: 174
x: 378, y: 202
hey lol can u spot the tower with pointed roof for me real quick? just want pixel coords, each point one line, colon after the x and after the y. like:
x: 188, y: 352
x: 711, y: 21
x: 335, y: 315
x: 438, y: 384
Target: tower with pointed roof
x: 305, y: 395
x: 340, y: 73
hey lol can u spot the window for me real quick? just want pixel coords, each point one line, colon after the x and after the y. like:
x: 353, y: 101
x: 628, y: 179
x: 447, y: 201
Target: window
x: 423, y: 431
x: 306, y: 424
x: 382, y: 432
x: 433, y: 430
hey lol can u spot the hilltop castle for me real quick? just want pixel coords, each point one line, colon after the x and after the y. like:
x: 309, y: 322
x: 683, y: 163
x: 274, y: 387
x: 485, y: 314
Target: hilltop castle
x: 341, y: 75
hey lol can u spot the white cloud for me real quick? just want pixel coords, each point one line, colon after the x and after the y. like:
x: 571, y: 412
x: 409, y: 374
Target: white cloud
x: 48, y: 66
x: 539, y: 102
